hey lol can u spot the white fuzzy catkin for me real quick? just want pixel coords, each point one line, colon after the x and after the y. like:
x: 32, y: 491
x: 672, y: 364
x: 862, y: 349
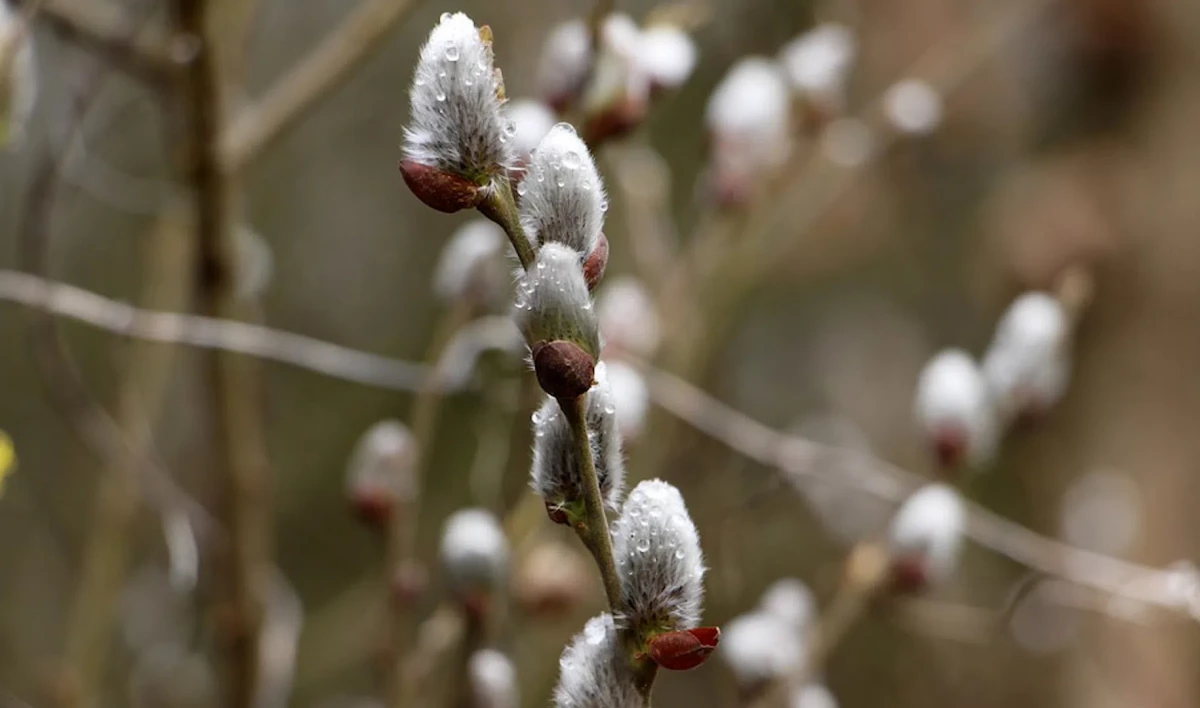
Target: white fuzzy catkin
x: 818, y: 62
x: 759, y: 647
x: 493, y: 680
x: 749, y: 117
x: 631, y: 397
x: 562, y: 197
x: 457, y: 125
x: 474, y: 552
x: 553, y: 302
x: 593, y: 673
x: 790, y: 600
x: 628, y: 316
x: 953, y: 400
x: 465, y: 259
x: 813, y: 695
x: 657, y: 549
x: 531, y: 121
x: 563, y: 64
x: 913, y: 106
x: 556, y: 476
x: 667, y: 54
x: 381, y: 464
x: 1027, y: 364
x: 928, y: 530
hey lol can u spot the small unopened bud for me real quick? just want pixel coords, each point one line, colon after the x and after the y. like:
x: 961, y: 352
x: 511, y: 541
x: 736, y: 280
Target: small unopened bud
x: 684, y: 649
x: 631, y: 398
x: 667, y: 54
x: 493, y: 680
x: 554, y: 311
x: 760, y: 648
x: 925, y: 538
x: 913, y: 106
x: 818, y: 62
x: 472, y: 265
x: 954, y: 409
x: 596, y: 263
x: 657, y: 549
x: 458, y: 140
x: 557, y: 477
x: 564, y: 63
x: 593, y: 671
x: 474, y: 555
x: 562, y: 196
x: 813, y: 695
x: 628, y: 317
x: 531, y: 121
x: 749, y: 121
x: 790, y: 600
x: 379, y: 475
x: 552, y: 579
x: 1027, y: 364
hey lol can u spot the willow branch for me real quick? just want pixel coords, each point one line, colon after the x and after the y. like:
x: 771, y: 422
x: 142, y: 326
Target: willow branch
x: 264, y: 121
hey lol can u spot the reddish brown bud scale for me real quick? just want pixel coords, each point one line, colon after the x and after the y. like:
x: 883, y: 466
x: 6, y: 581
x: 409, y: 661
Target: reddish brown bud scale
x: 373, y: 506
x: 614, y: 121
x: 557, y: 514
x: 563, y: 369
x: 438, y: 189
x: 908, y: 576
x: 596, y: 263
x: 950, y: 447
x: 684, y: 649
x: 409, y: 583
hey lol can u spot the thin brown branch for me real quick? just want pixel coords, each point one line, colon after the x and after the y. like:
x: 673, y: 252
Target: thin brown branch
x: 297, y: 350
x: 237, y: 385
x: 799, y: 457
x: 264, y: 121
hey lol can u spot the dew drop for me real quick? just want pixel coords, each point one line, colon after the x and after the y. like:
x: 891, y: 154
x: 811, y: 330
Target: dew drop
x: 440, y: 95
x: 604, y: 205
x: 452, y: 53
x: 445, y: 16
x: 418, y: 81
x: 565, y: 126
x: 679, y: 554
x: 571, y: 160
x: 643, y: 545
x: 522, y: 188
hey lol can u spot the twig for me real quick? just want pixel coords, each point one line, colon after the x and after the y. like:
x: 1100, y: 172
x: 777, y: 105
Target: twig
x: 231, y: 336
x: 404, y: 527
x: 237, y: 385
x: 264, y: 121
x: 799, y: 457
x: 89, y: 24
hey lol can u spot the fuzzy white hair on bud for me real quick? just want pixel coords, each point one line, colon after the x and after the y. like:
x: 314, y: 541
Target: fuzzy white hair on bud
x: 19, y: 91
x: 628, y: 317
x: 1027, y: 364
x: 790, y: 600
x: 457, y: 125
x: 954, y: 408
x: 758, y: 647
x: 657, y: 549
x: 913, y: 106
x: 630, y: 396
x: 818, y: 62
x: 925, y: 536
x: 379, y: 474
x: 474, y: 552
x: 813, y: 695
x: 593, y: 672
x: 531, y: 121
x: 556, y: 475
x: 562, y: 197
x: 465, y: 259
x: 667, y: 54
x: 749, y: 116
x: 563, y: 65
x: 553, y: 302
x: 493, y: 680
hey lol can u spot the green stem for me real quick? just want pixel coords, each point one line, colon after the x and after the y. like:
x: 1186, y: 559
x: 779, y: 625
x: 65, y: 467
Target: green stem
x: 501, y: 207
x: 595, y: 535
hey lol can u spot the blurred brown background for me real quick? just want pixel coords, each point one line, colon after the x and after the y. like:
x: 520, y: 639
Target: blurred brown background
x: 1077, y: 142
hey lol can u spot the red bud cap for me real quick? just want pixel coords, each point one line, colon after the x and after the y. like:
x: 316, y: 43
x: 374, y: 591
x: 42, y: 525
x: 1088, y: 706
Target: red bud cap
x: 596, y: 263
x: 685, y: 649
x: 563, y: 369
x: 444, y: 191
